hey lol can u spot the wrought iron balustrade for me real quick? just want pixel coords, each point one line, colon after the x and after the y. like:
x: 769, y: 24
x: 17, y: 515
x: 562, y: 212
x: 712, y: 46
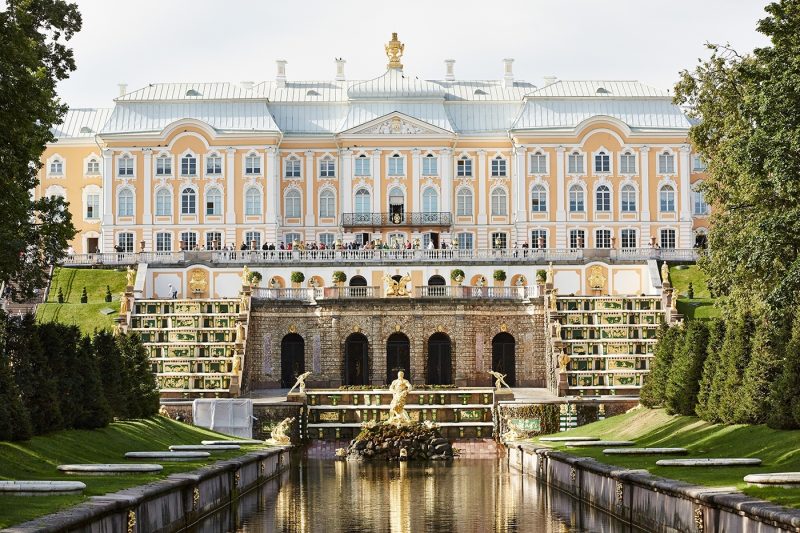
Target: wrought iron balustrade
x: 380, y: 220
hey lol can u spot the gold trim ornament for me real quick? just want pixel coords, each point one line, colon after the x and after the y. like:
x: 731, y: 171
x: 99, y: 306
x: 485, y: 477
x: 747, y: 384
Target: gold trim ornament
x: 195, y: 498
x: 394, y: 51
x: 292, y: 328
x: 131, y: 521
x: 504, y: 327
x: 356, y: 329
x: 596, y: 278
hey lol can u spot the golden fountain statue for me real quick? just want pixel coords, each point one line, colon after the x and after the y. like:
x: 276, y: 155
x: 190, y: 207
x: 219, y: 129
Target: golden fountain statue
x: 301, y: 382
x: 396, y: 288
x: 279, y: 434
x: 399, y: 389
x: 130, y: 276
x: 394, y: 51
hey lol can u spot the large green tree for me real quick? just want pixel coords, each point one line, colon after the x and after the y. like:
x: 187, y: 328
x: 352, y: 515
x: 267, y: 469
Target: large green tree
x: 33, y: 59
x: 747, y: 109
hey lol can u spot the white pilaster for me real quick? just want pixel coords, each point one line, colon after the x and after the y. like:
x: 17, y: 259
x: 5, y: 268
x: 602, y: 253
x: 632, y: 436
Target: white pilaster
x: 561, y: 198
x: 230, y: 196
x: 416, y: 172
x: 482, y: 198
x: 346, y: 188
x: 377, y: 205
x: 644, y: 201
x: 520, y: 195
x: 271, y: 193
x: 685, y: 237
x: 310, y: 217
x: 107, y: 217
x: 147, y: 192
x: 446, y: 173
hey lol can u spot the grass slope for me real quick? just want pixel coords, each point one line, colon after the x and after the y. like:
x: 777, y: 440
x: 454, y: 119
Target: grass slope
x: 702, y: 305
x: 87, y: 317
x: 39, y: 457
x: 779, y: 450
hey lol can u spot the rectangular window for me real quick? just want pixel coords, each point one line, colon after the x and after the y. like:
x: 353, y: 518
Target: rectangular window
x: 211, y: 238
x: 163, y: 166
x: 699, y: 205
x: 602, y: 238
x: 602, y: 162
x: 698, y: 165
x: 188, y: 166
x: 125, y: 241
x: 396, y: 167
x: 327, y: 205
x: 668, y: 238
x: 576, y: 203
x: 362, y: 166
x: 163, y: 242
x: 327, y: 168
x: 464, y: 167
x: 577, y: 239
x: 430, y: 166
x: 465, y: 241
x: 575, y: 165
x: 539, y: 239
x: 327, y: 239
x: 538, y: 163
x: 252, y: 164
x: 92, y: 206
x: 57, y: 167
x: 627, y: 164
x: 189, y: 240
x: 292, y: 168
x: 214, y: 165
x: 628, y: 238
x: 666, y: 163
x: 125, y: 166
x: 93, y: 167
x: 290, y: 238
x: 499, y: 240
x: 253, y: 239
x: 499, y: 167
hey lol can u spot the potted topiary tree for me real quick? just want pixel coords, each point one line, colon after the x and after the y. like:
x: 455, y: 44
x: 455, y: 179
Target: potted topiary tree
x: 499, y: 277
x: 60, y: 296
x: 297, y: 278
x: 339, y: 277
x: 108, y: 293
x: 84, y: 297
x: 457, y: 275
x: 541, y: 276
x: 255, y: 278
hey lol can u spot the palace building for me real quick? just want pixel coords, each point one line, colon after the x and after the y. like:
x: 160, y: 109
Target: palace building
x: 331, y: 189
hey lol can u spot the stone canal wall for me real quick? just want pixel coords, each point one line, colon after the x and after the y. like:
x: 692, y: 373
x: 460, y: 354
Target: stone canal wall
x: 649, y: 502
x: 168, y: 505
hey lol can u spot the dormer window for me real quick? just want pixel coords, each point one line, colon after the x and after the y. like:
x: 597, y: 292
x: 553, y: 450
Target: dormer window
x: 213, y: 165
x: 188, y: 165
x: 666, y: 163
x: 430, y: 165
x: 327, y: 167
x: 292, y: 169
x: 163, y: 165
x: 56, y: 166
x: 362, y: 165
x: 464, y: 166
x: 396, y: 165
x: 86, y: 130
x: 192, y: 92
x: 480, y: 92
x: 575, y: 163
x: 602, y: 91
x: 125, y: 166
x: 499, y: 167
x: 93, y: 167
x: 252, y: 164
x: 602, y: 162
x: 312, y: 92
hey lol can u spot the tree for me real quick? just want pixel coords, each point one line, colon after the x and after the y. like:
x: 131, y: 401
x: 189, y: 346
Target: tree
x: 683, y: 381
x: 141, y: 389
x: 33, y: 58
x: 94, y: 410
x: 15, y: 422
x: 785, y: 395
x: 734, y: 360
x: 747, y: 111
x: 669, y: 338
x: 112, y: 372
x: 707, y: 402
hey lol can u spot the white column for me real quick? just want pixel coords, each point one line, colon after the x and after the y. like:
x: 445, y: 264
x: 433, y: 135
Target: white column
x: 416, y: 172
x: 107, y: 217
x: 147, y: 192
x: 482, y: 219
x: 271, y: 193
x: 346, y: 187
x: 561, y: 198
x: 446, y: 173
x: 685, y: 236
x: 230, y: 196
x: 520, y: 194
x: 377, y: 206
x: 310, y: 218
x: 644, y: 173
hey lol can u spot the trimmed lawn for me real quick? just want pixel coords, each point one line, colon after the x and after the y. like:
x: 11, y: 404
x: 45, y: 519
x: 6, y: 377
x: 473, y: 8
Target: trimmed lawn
x: 702, y: 305
x: 39, y: 457
x: 88, y: 317
x: 778, y: 450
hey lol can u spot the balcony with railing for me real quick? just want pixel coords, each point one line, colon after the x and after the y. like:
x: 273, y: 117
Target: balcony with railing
x: 383, y: 220
x: 426, y: 292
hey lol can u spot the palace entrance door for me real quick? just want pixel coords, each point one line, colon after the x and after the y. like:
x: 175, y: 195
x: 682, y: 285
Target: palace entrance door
x: 504, y: 357
x: 356, y: 360
x: 293, y: 359
x: 397, y: 357
x: 440, y: 362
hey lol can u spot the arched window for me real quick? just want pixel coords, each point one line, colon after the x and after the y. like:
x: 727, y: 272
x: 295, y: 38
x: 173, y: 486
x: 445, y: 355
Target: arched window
x: 396, y: 196
x: 252, y: 201
x: 499, y: 202
x: 363, y: 202
x: 464, y: 202
x: 699, y: 205
x: 667, y: 199
x: 125, y: 203
x: 188, y: 201
x: 188, y: 165
x: 163, y: 203
x: 628, y: 196
x: 327, y: 204
x: 291, y: 207
x: 576, y: 199
x: 93, y: 167
x: 538, y: 199
x: 603, y: 198
x: 213, y: 201
x: 430, y: 200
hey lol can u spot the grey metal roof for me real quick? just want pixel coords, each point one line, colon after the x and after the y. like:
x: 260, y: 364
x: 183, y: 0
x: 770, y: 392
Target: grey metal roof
x: 135, y: 117
x: 430, y: 112
x: 305, y: 119
x: 485, y: 90
x: 643, y: 114
x: 304, y: 91
x: 394, y: 83
x: 188, y: 91
x: 81, y: 123
x: 478, y: 117
x: 598, y: 88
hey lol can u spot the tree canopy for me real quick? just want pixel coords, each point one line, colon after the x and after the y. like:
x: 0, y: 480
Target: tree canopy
x: 33, y: 59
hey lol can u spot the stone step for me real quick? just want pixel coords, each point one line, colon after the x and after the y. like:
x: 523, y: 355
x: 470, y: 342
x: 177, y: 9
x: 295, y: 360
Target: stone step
x: 41, y: 488
x: 204, y: 447
x: 601, y: 443
x: 168, y: 456
x: 358, y: 424
x: 711, y: 461
x: 790, y: 480
x: 106, y: 469
x: 646, y: 451
x: 569, y: 439
x: 240, y: 442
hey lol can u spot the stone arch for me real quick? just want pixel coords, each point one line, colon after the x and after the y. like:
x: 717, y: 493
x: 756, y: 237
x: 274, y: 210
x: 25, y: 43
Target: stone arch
x: 440, y: 360
x: 293, y: 359
x: 504, y: 356
x: 398, y: 356
x: 356, y: 360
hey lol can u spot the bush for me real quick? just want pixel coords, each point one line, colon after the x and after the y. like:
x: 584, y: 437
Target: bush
x: 707, y: 401
x: 60, y: 296
x: 499, y: 275
x: 653, y: 391
x: 762, y: 369
x: 297, y: 277
x: 683, y: 382
x: 541, y: 275
x: 456, y: 273
x: 785, y: 395
x: 690, y: 291
x: 84, y: 297
x: 735, y: 357
x: 339, y: 276
x: 108, y: 294
x: 255, y: 278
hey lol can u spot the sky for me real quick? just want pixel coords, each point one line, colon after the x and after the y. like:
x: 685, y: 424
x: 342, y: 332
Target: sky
x: 149, y: 41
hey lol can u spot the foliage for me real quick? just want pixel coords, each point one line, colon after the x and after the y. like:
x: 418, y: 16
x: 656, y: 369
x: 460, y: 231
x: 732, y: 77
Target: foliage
x: 15, y: 422
x: 297, y: 277
x: 683, y: 382
x: 254, y: 278
x: 60, y: 296
x: 33, y: 59
x: 499, y: 275
x: 785, y: 394
x: 762, y: 369
x: 707, y: 399
x: 541, y: 275
x: 141, y: 392
x: 339, y: 276
x: 690, y: 291
x: 108, y: 294
x: 84, y: 297
x: 735, y: 358
x: 456, y: 274
x: 652, y: 393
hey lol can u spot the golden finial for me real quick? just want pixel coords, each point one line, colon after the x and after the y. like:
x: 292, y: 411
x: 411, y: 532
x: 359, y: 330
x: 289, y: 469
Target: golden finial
x: 394, y: 51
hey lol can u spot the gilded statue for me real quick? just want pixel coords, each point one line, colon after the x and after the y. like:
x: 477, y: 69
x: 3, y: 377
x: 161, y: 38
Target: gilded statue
x: 162, y: 411
x: 245, y: 277
x: 500, y: 380
x: 279, y: 436
x: 301, y: 382
x: 394, y: 51
x: 198, y: 283
x: 563, y: 361
x: 396, y: 288
x: 123, y: 304
x: 237, y: 364
x: 664, y: 272
x: 130, y: 276
x: 553, y: 299
x: 243, y: 303
x: 240, y: 332
x: 596, y: 278
x: 399, y: 389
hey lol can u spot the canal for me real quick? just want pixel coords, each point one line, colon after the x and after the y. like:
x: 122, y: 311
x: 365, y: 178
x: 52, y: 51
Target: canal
x: 465, y: 495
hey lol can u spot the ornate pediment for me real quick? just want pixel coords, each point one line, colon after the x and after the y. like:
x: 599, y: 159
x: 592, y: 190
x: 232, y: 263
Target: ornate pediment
x: 397, y: 124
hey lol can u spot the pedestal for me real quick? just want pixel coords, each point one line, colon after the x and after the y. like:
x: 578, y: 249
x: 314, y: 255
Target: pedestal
x: 299, y: 397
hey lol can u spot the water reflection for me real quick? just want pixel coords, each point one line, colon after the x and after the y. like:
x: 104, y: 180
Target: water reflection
x: 467, y: 495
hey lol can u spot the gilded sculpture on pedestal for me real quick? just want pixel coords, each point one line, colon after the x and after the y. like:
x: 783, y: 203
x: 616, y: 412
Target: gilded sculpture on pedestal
x: 130, y: 276
x: 664, y: 272
x: 399, y: 389
x: 123, y: 304
x: 245, y: 277
x: 550, y: 273
x: 394, y: 51
x: 198, y: 282
x: 396, y: 288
